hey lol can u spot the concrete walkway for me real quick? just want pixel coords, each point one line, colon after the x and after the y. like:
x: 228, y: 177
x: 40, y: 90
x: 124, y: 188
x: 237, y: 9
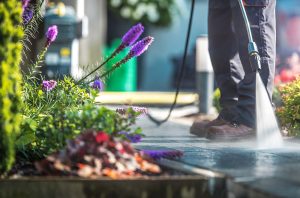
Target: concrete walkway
x: 273, y: 173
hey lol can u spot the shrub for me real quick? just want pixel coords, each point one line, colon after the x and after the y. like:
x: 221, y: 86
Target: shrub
x: 216, y: 100
x: 51, y: 117
x: 48, y: 133
x: 10, y: 56
x: 289, y: 113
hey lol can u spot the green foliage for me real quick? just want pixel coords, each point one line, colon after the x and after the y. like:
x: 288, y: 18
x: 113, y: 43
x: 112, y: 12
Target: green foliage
x: 10, y: 56
x: 34, y: 69
x: 216, y: 100
x: 289, y: 113
x: 65, y: 95
x: 31, y: 28
x: 43, y: 113
x: 276, y: 97
x: 30, y: 32
x: 53, y: 117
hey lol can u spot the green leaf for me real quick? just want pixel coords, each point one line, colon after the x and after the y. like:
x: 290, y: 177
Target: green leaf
x: 25, y: 139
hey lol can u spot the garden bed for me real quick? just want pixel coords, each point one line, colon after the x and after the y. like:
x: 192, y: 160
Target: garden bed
x: 188, y: 186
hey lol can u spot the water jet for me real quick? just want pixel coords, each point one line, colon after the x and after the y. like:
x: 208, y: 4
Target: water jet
x: 267, y: 131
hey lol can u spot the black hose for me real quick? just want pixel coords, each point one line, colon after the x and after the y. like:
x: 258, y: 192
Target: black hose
x: 182, y: 70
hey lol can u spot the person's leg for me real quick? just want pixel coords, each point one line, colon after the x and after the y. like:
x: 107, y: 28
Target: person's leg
x: 223, y: 50
x: 261, y: 14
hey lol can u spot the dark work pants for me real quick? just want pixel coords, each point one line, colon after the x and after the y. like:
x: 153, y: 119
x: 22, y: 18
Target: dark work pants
x: 229, y: 55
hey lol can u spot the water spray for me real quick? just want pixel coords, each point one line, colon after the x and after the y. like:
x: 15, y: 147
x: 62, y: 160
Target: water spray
x: 268, y: 132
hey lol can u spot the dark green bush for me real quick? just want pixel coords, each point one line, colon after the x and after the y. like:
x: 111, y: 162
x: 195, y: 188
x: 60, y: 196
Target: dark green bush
x: 10, y: 56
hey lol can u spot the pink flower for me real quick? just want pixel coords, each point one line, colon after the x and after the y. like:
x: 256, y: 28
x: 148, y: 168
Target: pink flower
x: 48, y: 85
x: 101, y: 137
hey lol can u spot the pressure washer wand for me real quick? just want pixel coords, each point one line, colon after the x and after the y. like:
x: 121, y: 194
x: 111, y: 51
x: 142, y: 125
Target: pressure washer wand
x: 254, y: 56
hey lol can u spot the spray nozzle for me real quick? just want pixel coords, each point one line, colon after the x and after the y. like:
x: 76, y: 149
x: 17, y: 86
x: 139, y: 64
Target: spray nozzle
x: 254, y: 56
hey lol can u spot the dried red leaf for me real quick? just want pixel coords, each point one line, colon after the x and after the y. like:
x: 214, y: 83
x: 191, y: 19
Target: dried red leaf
x: 95, y: 154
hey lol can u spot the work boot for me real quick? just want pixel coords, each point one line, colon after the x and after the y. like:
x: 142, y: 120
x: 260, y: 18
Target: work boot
x: 199, y: 128
x: 230, y: 131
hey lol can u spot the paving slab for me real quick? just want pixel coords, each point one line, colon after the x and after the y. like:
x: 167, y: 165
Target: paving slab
x: 271, y: 171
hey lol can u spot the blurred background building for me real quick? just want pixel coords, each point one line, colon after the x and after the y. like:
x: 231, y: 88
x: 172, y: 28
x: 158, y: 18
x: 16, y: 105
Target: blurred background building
x: 167, y: 22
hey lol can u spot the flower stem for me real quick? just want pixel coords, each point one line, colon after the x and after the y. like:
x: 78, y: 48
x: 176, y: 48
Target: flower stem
x: 36, y: 65
x: 121, y: 47
x: 115, y: 66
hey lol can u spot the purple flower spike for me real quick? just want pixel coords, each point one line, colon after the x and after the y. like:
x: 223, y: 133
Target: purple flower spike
x: 49, y: 85
x: 27, y: 15
x: 51, y: 34
x: 141, y: 46
x: 133, y: 138
x: 132, y: 35
x: 159, y: 154
x: 98, y: 85
x: 25, y: 3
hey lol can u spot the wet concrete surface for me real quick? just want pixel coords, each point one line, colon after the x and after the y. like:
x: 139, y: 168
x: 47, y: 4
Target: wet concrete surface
x: 271, y: 171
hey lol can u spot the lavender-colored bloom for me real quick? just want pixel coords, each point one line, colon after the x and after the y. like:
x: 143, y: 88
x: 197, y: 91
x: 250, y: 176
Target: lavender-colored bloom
x: 133, y: 138
x: 97, y: 84
x: 159, y: 154
x: 48, y: 85
x: 132, y: 35
x: 25, y: 3
x: 141, y: 46
x: 51, y: 34
x: 27, y: 15
x: 136, y: 50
